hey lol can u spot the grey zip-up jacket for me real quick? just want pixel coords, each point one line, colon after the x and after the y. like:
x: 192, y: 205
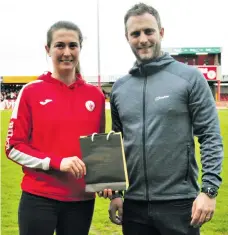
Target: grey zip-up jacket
x: 159, y: 107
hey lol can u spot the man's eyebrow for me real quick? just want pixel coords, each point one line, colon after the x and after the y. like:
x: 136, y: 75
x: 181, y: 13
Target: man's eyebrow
x: 145, y: 29
x: 58, y: 42
x: 149, y: 28
x: 74, y: 42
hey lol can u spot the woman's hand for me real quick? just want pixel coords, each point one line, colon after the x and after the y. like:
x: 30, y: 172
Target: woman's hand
x: 73, y: 165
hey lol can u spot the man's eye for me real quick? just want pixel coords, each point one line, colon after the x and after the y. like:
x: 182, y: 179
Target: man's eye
x: 149, y: 31
x: 135, y: 34
x: 59, y: 45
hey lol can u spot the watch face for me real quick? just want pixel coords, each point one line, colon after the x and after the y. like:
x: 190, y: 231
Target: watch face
x: 212, y: 192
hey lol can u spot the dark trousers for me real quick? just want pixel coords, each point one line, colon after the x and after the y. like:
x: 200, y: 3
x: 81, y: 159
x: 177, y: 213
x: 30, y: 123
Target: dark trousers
x: 42, y: 216
x: 158, y: 218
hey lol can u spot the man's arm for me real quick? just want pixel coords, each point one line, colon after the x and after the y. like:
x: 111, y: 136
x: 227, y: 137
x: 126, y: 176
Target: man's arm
x: 206, y: 127
x: 116, y: 204
x: 117, y: 127
x: 116, y: 123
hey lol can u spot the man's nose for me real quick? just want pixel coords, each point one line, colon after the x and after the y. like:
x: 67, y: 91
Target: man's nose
x: 143, y: 38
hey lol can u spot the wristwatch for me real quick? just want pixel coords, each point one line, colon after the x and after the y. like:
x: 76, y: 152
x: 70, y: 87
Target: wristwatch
x: 116, y: 194
x: 210, y: 191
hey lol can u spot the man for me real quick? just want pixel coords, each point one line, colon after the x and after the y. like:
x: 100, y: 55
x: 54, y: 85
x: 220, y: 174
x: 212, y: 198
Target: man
x: 159, y: 107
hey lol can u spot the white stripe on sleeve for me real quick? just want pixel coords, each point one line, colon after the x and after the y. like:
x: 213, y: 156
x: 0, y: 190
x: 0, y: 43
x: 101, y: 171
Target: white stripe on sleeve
x: 29, y: 161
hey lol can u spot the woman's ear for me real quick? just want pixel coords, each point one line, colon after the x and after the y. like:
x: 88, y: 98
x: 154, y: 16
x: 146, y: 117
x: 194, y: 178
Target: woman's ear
x: 48, y: 50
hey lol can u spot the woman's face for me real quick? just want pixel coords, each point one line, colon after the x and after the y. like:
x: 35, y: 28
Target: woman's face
x: 64, y: 50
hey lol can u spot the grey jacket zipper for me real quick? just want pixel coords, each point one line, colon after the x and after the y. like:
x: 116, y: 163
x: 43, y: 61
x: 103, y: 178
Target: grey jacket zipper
x: 143, y: 137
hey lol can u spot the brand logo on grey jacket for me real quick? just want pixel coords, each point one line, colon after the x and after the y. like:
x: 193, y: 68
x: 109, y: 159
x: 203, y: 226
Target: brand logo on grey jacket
x: 161, y: 97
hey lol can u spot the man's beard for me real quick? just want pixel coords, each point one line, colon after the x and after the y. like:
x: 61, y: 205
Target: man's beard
x: 156, y: 51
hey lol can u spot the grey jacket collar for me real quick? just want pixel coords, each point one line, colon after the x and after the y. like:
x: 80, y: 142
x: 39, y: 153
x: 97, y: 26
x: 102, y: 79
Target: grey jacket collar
x: 151, y: 67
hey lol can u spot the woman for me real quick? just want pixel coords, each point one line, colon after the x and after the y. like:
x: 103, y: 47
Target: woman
x: 49, y: 116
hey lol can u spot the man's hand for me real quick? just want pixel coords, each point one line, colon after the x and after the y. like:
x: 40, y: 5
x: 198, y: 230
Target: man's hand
x: 73, y: 165
x: 116, y: 205
x: 202, y: 210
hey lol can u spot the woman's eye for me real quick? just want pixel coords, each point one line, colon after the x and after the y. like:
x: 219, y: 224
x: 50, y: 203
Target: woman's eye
x: 73, y: 45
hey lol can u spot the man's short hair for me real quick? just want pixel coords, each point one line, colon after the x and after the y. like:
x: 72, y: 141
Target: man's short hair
x: 140, y: 9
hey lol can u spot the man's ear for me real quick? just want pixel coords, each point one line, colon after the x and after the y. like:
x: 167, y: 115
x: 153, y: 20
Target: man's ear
x: 126, y: 35
x: 161, y: 33
x: 47, y: 50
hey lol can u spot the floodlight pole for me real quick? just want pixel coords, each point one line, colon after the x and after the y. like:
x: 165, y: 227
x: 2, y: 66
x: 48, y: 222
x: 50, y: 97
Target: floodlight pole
x: 98, y: 46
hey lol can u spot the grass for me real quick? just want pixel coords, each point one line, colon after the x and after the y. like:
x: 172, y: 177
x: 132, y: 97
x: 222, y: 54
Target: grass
x: 10, y: 192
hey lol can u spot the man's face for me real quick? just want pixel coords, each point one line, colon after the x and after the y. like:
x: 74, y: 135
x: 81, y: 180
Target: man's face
x: 144, y: 37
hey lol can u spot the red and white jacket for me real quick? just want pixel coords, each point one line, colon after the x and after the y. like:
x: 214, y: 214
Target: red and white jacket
x: 45, y: 126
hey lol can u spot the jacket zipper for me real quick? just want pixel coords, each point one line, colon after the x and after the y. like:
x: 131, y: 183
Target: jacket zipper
x: 187, y: 171
x: 143, y: 137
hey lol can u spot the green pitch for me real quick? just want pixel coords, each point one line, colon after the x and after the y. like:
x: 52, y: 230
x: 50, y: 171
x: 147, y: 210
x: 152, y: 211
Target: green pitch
x: 10, y: 191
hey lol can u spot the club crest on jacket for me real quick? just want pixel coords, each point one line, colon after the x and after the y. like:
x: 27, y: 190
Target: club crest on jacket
x: 90, y: 105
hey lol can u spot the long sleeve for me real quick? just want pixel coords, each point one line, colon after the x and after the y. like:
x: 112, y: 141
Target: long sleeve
x: 206, y: 127
x: 17, y: 146
x: 116, y: 123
